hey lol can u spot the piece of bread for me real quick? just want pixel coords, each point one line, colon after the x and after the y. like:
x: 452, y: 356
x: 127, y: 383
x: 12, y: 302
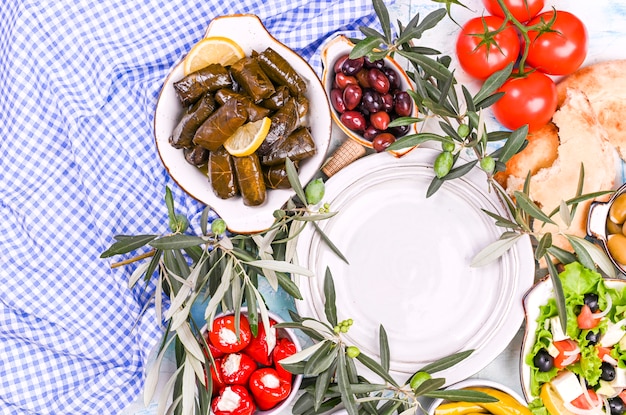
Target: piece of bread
x: 581, y: 140
x: 539, y: 153
x: 604, y: 84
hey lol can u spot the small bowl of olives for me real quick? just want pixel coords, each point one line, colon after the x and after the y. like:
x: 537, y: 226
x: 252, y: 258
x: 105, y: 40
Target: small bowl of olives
x: 605, y: 223
x: 366, y: 95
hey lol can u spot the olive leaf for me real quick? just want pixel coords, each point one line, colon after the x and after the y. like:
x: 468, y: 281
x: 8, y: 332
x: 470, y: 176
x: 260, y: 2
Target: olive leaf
x: 329, y: 298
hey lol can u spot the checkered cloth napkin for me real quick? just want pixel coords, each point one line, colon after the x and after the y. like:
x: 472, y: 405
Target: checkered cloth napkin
x: 79, y: 81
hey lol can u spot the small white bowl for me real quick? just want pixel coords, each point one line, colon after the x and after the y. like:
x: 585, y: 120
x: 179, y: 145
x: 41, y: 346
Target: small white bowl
x: 247, y: 31
x: 474, y: 382
x: 335, y: 49
x: 597, y: 224
x: 280, y: 333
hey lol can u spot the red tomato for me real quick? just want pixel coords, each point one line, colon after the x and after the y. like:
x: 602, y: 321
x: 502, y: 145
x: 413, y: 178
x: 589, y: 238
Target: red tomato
x: 583, y: 403
x: 562, y: 49
x: 530, y: 99
x: 482, y: 53
x: 603, y: 351
x: 224, y: 336
x: 522, y: 10
x: 564, y: 358
x: 586, y: 319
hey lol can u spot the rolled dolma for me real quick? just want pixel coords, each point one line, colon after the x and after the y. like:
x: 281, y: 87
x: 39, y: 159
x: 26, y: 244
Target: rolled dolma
x: 280, y: 71
x: 252, y: 79
x: 222, y: 174
x: 208, y: 79
x: 284, y: 122
x: 277, y: 99
x: 276, y: 177
x: 196, y: 155
x: 303, y: 106
x: 255, y: 112
x: 297, y: 146
x: 220, y: 125
x: 250, y: 179
x: 191, y: 120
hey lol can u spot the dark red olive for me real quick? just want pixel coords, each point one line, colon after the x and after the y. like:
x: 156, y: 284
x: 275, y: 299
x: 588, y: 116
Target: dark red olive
x: 399, y: 130
x: 382, y: 141
x: 339, y: 63
x: 378, y: 63
x: 354, y: 120
x: 352, y: 95
x: 372, y: 100
x: 394, y: 78
x: 352, y: 66
x: 378, y: 80
x: 380, y: 120
x: 361, y: 77
x: 336, y: 99
x: 388, y: 102
x: 370, y: 132
x: 403, y: 104
x: 342, y: 80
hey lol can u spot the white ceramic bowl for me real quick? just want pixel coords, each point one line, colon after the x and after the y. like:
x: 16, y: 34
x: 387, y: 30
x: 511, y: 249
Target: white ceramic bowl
x: 597, y: 221
x: 474, y: 382
x: 250, y: 34
x: 297, y: 379
x: 335, y: 49
x: 536, y: 297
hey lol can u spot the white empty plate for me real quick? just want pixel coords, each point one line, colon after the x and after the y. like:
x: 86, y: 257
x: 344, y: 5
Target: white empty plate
x: 409, y: 266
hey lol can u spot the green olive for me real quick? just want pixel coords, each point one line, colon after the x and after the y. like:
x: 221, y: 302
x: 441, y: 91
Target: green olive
x: 180, y: 223
x: 419, y: 378
x: 314, y: 191
x: 463, y: 130
x: 443, y: 164
x: 353, y: 352
x: 616, y: 244
x: 488, y: 164
x: 218, y: 226
x: 612, y: 227
x: 448, y: 145
x: 617, y: 211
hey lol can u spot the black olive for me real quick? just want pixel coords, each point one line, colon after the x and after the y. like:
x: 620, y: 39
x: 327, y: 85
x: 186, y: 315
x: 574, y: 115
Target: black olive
x: 608, y: 371
x: 543, y: 361
x: 617, y: 405
x: 593, y: 337
x: 592, y: 301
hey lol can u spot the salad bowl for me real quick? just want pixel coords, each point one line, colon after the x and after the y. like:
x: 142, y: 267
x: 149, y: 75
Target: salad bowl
x: 250, y: 34
x: 556, y: 365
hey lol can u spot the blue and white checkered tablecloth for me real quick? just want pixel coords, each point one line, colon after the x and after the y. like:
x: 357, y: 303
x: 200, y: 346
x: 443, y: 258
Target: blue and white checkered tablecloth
x: 78, y: 85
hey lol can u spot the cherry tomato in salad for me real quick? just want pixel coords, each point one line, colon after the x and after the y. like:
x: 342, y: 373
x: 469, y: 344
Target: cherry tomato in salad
x: 603, y: 351
x: 568, y: 353
x: 224, y: 336
x: 561, y: 49
x: 582, y: 402
x: 528, y: 100
x: 484, y: 46
x: 522, y: 10
x: 586, y: 319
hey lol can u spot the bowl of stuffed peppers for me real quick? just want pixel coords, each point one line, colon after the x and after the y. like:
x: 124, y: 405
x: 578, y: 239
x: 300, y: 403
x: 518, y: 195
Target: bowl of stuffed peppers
x: 199, y: 114
x: 246, y: 374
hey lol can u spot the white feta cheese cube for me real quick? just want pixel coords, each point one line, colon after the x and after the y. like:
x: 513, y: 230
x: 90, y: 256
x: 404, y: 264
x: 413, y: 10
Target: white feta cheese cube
x: 567, y: 386
x: 557, y: 331
x: 620, y: 378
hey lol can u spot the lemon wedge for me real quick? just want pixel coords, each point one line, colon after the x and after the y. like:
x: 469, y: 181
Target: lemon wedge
x: 248, y: 137
x: 210, y: 50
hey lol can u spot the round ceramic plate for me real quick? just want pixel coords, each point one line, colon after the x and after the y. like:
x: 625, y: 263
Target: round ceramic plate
x: 409, y: 264
x: 250, y: 34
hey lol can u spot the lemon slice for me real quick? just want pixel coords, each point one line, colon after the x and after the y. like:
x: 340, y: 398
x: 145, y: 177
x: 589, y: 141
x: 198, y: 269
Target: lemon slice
x: 248, y: 137
x: 213, y: 49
